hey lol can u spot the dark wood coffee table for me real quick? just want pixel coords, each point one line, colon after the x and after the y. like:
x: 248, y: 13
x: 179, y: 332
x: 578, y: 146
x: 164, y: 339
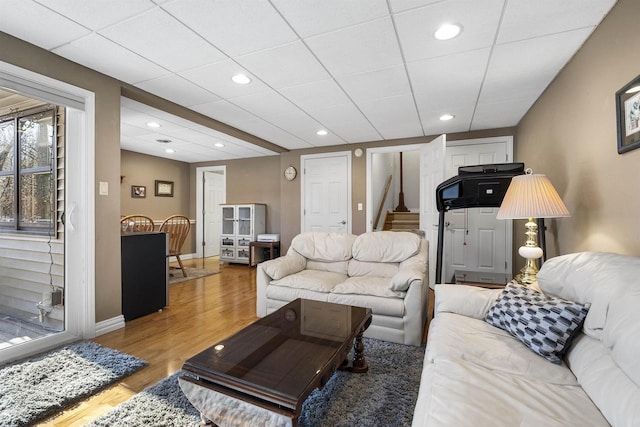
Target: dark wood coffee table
x: 262, y: 374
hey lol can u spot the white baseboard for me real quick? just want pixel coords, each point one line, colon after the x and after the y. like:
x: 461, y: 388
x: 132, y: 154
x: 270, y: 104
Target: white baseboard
x: 109, y: 325
x: 183, y: 257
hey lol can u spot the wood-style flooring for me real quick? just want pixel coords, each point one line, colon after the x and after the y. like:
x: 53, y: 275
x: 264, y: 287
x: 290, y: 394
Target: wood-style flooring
x: 201, y: 312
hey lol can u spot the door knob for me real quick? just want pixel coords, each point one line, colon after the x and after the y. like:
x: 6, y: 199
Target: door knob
x: 343, y: 222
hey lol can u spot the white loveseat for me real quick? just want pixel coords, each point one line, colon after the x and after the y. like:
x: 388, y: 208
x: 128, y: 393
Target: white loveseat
x: 478, y: 375
x: 385, y: 271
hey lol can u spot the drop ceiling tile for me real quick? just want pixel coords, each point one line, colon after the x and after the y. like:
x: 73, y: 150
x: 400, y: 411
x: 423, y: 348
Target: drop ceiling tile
x: 223, y: 111
x: 416, y: 27
x: 266, y: 105
x: 309, y: 18
x: 348, y: 122
x: 37, y: 29
x: 140, y: 119
x: 357, y: 49
x: 450, y: 81
x: 97, y: 14
x: 394, y: 117
x: 178, y: 90
x: 132, y: 131
x: 376, y: 84
x: 524, y: 69
x: 304, y: 127
x: 273, y: 134
x: 234, y: 27
x: 528, y: 19
x: 113, y: 60
x: 286, y: 65
x: 432, y: 124
x: 402, y: 5
x: 216, y: 78
x: 500, y: 114
x: 162, y: 39
x: 316, y: 95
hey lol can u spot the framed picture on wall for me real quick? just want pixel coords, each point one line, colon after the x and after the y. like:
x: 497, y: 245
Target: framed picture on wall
x: 164, y: 188
x: 138, y: 191
x: 628, y: 116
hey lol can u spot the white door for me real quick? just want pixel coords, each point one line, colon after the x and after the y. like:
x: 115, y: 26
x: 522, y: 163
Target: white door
x: 477, y: 246
x: 214, y: 182
x: 210, y: 194
x: 326, y: 192
x: 431, y: 175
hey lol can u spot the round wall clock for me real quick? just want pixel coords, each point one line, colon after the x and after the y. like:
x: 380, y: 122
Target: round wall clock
x: 290, y: 173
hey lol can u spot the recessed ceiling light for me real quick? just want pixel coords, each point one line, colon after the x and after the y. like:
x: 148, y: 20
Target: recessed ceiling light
x: 634, y: 89
x: 241, y: 79
x: 219, y: 144
x: 163, y: 141
x: 322, y: 132
x: 446, y: 117
x: 153, y: 124
x: 169, y: 150
x: 447, y: 31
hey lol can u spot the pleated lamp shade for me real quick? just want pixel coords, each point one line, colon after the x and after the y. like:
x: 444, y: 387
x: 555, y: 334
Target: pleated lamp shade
x: 531, y: 196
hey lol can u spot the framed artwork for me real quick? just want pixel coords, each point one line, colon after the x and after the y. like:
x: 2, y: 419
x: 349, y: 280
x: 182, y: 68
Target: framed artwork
x: 164, y: 188
x: 628, y: 116
x: 138, y: 191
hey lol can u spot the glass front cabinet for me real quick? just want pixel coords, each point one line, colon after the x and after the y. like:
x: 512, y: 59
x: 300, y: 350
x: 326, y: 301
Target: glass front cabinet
x: 241, y: 225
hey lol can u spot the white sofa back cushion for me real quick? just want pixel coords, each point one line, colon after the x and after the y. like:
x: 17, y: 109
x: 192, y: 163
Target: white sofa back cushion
x: 610, y: 283
x: 386, y: 246
x: 320, y: 246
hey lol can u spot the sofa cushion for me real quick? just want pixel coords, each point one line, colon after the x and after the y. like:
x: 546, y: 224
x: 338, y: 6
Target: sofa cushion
x: 386, y: 246
x: 404, y: 278
x: 319, y: 246
x: 313, y: 280
x: 364, y: 285
x: 544, y: 324
x: 335, y: 266
x: 376, y: 269
x: 453, y: 336
x: 378, y: 305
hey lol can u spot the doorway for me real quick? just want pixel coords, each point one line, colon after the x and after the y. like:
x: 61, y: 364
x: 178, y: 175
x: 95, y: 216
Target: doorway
x: 211, y: 193
x: 477, y: 246
x: 326, y: 192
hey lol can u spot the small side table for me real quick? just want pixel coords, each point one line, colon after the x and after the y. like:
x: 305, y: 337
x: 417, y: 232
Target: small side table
x: 274, y: 250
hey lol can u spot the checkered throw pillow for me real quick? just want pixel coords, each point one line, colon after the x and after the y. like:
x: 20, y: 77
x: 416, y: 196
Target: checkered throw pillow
x: 544, y: 324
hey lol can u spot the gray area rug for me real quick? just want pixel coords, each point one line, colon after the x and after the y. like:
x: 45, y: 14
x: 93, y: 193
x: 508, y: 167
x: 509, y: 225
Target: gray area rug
x: 42, y: 385
x: 176, y: 276
x: 384, y: 396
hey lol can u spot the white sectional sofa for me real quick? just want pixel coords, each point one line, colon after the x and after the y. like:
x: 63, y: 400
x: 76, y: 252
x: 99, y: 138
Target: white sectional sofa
x: 385, y: 271
x: 476, y: 374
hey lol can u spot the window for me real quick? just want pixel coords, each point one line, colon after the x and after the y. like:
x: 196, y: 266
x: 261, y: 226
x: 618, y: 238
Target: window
x: 27, y: 173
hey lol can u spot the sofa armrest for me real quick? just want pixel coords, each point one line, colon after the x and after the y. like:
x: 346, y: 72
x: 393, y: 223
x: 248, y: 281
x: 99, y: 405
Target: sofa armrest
x: 275, y: 269
x: 470, y: 301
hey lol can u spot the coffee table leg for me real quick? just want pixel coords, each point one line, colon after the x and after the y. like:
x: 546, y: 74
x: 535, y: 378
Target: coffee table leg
x: 359, y: 362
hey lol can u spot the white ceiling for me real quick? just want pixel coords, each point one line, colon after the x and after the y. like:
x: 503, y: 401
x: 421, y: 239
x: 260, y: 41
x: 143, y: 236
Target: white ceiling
x: 364, y: 70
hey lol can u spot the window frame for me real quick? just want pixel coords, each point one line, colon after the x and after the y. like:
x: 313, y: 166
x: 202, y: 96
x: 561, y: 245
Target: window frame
x: 17, y: 226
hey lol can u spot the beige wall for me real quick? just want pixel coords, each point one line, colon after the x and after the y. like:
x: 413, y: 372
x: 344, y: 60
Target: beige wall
x: 570, y: 135
x: 141, y: 169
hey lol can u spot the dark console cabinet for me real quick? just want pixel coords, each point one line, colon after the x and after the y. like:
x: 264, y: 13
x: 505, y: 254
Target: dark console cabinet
x: 145, y: 273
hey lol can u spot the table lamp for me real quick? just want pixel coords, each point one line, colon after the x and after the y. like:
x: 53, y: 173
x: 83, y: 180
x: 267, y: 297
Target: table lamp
x: 531, y: 196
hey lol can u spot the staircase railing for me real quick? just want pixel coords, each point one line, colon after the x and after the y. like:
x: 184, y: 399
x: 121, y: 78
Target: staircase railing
x: 384, y: 197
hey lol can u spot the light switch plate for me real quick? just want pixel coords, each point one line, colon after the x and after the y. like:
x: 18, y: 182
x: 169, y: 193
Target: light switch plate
x: 104, y: 188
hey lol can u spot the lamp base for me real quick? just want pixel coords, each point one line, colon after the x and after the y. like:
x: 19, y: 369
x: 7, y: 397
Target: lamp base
x: 531, y: 252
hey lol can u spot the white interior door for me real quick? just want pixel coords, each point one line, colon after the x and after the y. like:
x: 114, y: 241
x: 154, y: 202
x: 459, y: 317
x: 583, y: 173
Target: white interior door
x: 432, y: 157
x: 210, y: 194
x: 326, y: 192
x: 477, y: 246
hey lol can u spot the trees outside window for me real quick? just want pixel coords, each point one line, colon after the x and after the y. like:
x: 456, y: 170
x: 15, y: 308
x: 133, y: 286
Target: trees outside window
x: 27, y: 173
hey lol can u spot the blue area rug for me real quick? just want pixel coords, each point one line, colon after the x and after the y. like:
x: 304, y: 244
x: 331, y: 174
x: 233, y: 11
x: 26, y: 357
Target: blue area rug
x: 40, y: 386
x: 384, y: 396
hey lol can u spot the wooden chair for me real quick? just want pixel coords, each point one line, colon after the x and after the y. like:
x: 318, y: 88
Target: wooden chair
x: 178, y: 227
x: 136, y: 223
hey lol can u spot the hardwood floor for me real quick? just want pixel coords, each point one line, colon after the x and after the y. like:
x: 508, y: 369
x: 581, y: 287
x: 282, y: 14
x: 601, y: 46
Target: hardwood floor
x: 200, y: 313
